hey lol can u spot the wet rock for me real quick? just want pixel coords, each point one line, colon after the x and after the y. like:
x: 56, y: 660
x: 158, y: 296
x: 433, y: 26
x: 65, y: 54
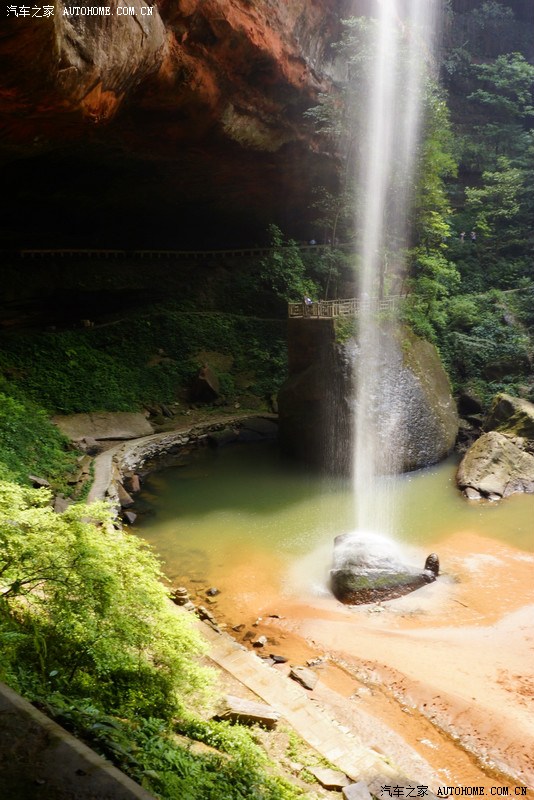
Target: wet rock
x: 125, y: 499
x: 223, y: 438
x: 129, y: 517
x: 319, y: 395
x: 369, y: 569
x: 496, y: 466
x: 330, y: 779
x: 258, y: 429
x: 472, y: 494
x: 213, y: 591
x: 239, y: 628
x: 132, y: 483
x: 247, y: 712
x: 261, y: 641
x: 278, y: 659
x: 306, y: 677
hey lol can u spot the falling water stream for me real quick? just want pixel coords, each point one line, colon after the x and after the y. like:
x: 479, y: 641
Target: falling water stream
x: 401, y: 51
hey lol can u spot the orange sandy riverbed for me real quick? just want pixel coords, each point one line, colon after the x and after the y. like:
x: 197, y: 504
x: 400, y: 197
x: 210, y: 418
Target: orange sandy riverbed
x: 449, y: 667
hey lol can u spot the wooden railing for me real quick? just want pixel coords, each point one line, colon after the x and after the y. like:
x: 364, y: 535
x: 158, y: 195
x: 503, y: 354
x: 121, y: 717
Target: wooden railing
x: 326, y: 309
x: 172, y: 254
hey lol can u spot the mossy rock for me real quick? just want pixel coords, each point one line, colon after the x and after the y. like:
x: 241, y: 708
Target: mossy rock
x: 511, y: 415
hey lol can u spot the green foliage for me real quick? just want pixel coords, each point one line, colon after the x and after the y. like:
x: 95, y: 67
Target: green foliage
x: 112, y: 367
x: 30, y: 444
x: 499, y: 149
x: 506, y: 87
x: 283, y: 269
x: 89, y: 609
x: 432, y: 275
x: 485, y: 342
x: 87, y: 631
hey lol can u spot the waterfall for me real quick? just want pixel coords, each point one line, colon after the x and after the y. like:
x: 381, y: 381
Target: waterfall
x: 403, y: 35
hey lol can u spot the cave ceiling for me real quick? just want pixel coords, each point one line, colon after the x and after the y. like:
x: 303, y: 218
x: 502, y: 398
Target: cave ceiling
x: 178, y: 126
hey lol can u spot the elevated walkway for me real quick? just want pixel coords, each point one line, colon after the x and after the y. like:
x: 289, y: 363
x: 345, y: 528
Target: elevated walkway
x: 330, y: 309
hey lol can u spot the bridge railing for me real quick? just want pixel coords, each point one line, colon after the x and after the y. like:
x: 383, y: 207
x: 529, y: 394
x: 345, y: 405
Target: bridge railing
x: 327, y: 309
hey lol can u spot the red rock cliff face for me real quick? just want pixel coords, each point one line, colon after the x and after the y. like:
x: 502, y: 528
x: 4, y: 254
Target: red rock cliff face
x: 201, y: 101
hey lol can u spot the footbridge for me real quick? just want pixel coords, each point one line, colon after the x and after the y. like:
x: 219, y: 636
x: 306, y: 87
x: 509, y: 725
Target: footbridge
x: 328, y: 309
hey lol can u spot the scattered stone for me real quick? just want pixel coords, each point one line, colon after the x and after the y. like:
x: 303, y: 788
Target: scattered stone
x: 239, y: 628
x: 329, y: 778
x: 132, y: 483
x: 261, y: 641
x: 125, y: 499
x: 212, y: 591
x: 356, y: 791
x: 278, y: 659
x: 317, y: 662
x: 129, y: 517
x: 249, y: 635
x: 39, y: 483
x: 247, y: 712
x: 204, y: 614
x: 304, y: 676
x: 180, y: 596
x: 255, y: 624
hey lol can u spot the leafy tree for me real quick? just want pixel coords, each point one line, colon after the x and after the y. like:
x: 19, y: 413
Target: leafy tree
x: 500, y: 149
x: 84, y: 605
x: 283, y: 269
x: 432, y: 276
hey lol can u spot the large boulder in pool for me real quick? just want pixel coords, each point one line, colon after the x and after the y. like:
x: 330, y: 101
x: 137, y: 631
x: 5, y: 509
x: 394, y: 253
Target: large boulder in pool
x: 368, y: 569
x: 496, y: 466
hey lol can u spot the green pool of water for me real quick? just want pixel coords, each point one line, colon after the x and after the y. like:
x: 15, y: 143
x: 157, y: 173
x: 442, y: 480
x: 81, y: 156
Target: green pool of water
x: 244, y: 504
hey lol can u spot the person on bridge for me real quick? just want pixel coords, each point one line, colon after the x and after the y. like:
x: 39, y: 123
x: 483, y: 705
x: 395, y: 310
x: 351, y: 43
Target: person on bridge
x: 307, y: 303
